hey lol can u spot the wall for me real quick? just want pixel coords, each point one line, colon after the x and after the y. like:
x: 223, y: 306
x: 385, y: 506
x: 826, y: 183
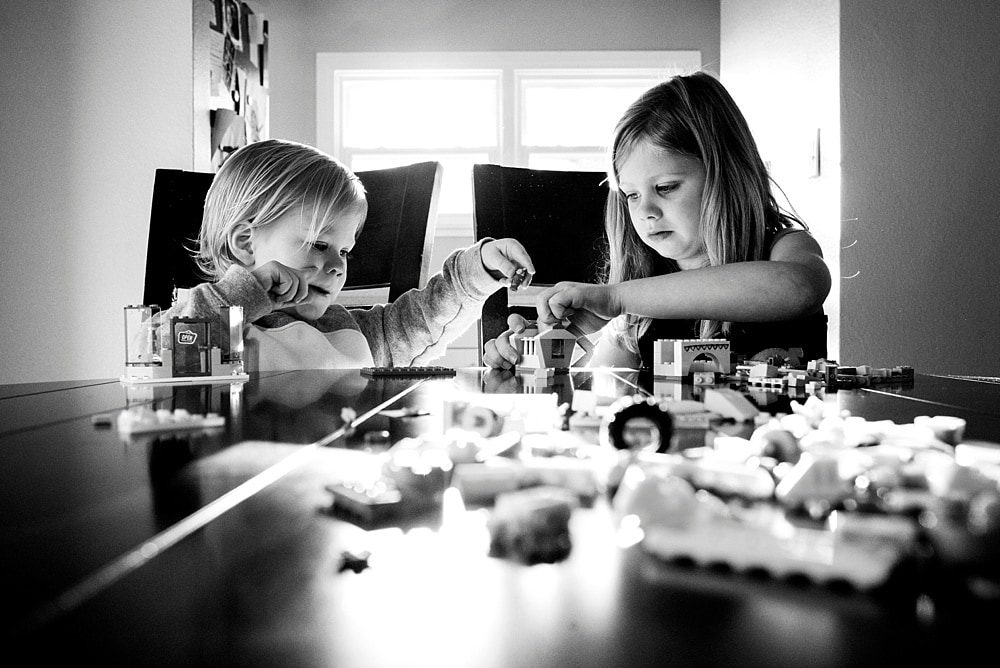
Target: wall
x: 780, y: 61
x: 97, y: 94
x: 920, y: 196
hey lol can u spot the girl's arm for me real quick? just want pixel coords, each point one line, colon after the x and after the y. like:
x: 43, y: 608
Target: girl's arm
x: 794, y: 282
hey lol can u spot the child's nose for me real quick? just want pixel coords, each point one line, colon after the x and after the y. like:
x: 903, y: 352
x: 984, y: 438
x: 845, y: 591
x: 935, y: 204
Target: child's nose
x: 648, y: 210
x: 336, y: 264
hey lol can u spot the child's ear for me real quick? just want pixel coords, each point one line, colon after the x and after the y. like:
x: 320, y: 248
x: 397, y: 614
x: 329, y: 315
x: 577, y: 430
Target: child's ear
x: 241, y: 242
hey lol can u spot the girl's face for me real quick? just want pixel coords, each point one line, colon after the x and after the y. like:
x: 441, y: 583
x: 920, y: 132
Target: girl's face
x: 323, y: 262
x: 663, y: 190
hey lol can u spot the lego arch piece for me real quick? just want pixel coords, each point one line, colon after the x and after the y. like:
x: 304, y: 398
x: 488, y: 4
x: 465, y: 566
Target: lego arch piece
x: 706, y: 361
x: 676, y: 358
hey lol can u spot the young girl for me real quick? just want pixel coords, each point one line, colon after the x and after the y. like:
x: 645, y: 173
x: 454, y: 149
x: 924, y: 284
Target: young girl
x: 699, y: 248
x: 280, y: 221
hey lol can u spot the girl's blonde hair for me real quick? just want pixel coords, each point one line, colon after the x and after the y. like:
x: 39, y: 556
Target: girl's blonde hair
x: 694, y: 116
x: 263, y: 181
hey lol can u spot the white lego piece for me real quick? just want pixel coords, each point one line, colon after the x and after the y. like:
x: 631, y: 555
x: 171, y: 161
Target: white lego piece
x: 676, y: 358
x: 551, y: 349
x: 763, y: 370
x: 539, y: 377
x: 141, y: 420
x: 978, y: 453
x: 813, y: 479
x: 760, y: 539
x: 945, y: 427
x: 729, y: 403
x: 703, y: 378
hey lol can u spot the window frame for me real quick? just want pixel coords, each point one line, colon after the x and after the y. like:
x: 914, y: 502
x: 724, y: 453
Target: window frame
x: 512, y: 69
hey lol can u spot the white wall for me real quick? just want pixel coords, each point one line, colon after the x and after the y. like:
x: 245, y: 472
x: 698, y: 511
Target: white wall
x: 921, y: 192
x: 780, y: 59
x: 95, y: 96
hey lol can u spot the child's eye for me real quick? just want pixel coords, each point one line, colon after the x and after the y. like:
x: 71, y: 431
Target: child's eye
x: 667, y: 187
x: 631, y: 196
x: 321, y: 246
x: 346, y: 254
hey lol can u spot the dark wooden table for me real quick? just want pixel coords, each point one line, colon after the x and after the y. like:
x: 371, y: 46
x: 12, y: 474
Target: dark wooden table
x: 216, y: 548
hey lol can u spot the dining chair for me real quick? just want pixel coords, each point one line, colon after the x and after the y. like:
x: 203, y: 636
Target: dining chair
x: 393, y: 253
x: 559, y: 218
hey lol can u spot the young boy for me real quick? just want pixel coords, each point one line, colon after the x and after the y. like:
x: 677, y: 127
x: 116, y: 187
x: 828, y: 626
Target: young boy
x: 281, y: 219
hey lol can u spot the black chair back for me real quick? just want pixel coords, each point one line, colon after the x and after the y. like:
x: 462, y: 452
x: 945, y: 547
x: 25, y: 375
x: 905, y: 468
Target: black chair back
x: 394, y: 250
x: 174, y: 221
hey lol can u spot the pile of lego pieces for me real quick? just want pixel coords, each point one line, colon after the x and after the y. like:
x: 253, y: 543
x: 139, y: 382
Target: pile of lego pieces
x: 821, y: 494
x: 819, y: 374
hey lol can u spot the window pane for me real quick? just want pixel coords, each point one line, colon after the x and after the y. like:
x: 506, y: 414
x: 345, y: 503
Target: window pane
x: 568, y: 162
x: 574, y: 113
x: 456, y: 176
x: 420, y: 112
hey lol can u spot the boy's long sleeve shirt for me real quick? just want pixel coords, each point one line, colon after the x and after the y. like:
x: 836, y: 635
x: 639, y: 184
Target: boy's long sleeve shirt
x: 413, y: 330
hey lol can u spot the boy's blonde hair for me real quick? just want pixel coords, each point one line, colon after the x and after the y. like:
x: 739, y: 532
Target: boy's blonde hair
x: 694, y: 116
x: 263, y: 181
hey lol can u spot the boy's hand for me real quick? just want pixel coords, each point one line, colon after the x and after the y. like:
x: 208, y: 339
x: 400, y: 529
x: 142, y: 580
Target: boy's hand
x: 587, y: 306
x: 283, y: 285
x: 505, y: 257
x: 502, y: 352
x: 497, y: 381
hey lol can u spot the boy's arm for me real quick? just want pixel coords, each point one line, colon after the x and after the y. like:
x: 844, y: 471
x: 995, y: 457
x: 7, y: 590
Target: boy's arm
x: 237, y: 287
x: 419, y: 325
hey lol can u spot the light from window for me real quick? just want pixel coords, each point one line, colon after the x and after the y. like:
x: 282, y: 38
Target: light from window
x: 574, y: 113
x: 419, y: 111
x: 568, y: 162
x: 543, y: 110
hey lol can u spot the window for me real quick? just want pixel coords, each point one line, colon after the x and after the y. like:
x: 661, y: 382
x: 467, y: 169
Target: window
x: 545, y: 110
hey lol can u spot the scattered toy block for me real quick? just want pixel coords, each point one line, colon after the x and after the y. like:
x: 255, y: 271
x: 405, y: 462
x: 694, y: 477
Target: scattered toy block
x: 532, y: 525
x: 729, y: 403
x: 676, y: 358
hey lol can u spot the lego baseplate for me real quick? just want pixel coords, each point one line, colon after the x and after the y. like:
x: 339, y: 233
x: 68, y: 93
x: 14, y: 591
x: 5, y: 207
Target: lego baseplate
x: 406, y: 371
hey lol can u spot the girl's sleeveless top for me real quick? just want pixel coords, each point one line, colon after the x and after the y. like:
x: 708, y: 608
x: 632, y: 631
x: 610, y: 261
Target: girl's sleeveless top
x: 747, y: 339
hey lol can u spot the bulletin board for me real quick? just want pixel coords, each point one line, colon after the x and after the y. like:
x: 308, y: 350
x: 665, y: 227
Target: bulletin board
x: 231, y: 80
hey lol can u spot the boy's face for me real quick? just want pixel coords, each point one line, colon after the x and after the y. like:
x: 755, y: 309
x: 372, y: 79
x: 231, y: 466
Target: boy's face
x: 663, y: 190
x: 323, y: 263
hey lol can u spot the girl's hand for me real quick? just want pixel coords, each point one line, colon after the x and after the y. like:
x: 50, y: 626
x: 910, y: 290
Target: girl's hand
x: 506, y: 256
x: 587, y: 306
x: 502, y: 352
x: 283, y: 285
